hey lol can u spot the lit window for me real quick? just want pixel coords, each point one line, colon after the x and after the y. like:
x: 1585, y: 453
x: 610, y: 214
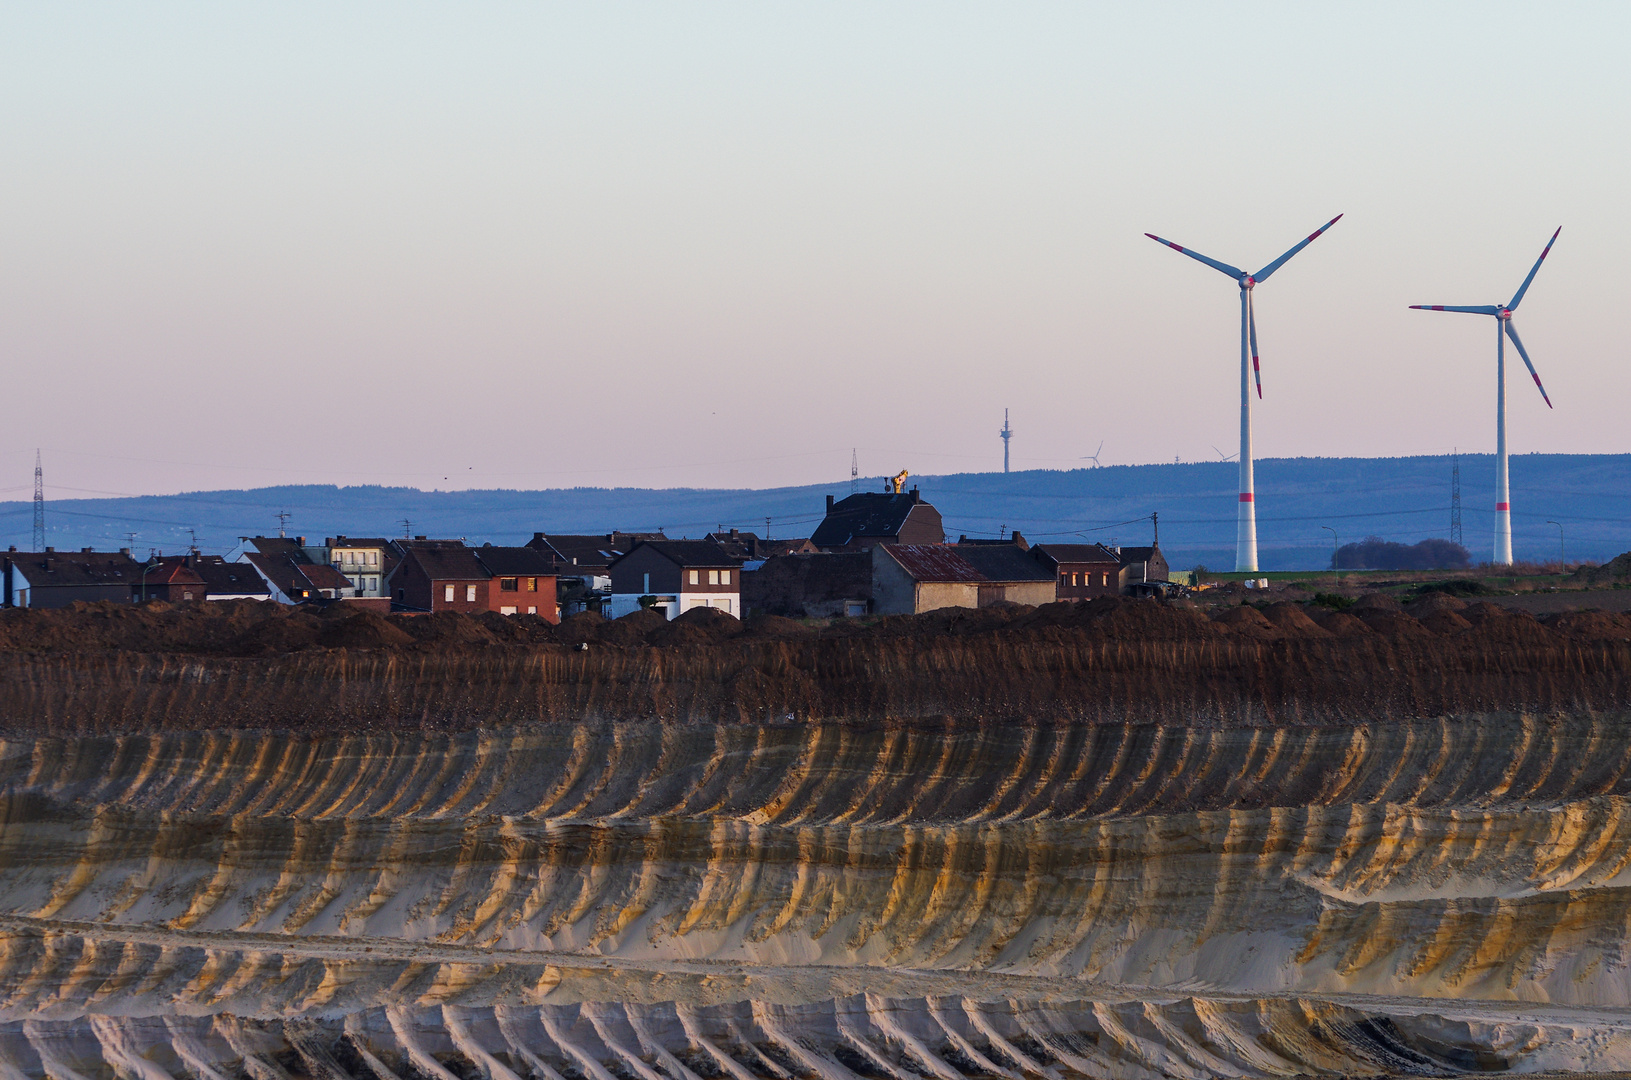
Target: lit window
x: 713, y: 577
x: 470, y: 594
x: 532, y: 584
x: 447, y: 594
x: 724, y: 577
x: 694, y: 577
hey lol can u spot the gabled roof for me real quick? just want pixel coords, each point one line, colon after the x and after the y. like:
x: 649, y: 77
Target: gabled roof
x: 589, y: 552
x: 445, y: 560
x: 515, y: 561
x: 688, y: 553
x: 865, y: 514
x: 1131, y: 555
x: 933, y: 562
x: 323, y: 576
x: 278, y: 546
x: 222, y: 578
x: 47, y: 568
x: 1004, y: 562
x: 1077, y: 553
x: 174, y: 571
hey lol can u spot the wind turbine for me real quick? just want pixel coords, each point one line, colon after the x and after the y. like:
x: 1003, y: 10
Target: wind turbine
x: 1246, y: 520
x: 1094, y: 456
x: 1503, y: 326
x: 1226, y: 457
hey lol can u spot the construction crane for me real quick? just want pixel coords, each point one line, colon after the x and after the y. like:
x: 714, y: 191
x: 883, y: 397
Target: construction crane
x: 899, y: 481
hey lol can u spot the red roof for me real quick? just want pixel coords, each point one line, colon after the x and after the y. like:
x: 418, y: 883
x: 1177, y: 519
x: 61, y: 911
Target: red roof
x: 933, y: 562
x: 172, y: 573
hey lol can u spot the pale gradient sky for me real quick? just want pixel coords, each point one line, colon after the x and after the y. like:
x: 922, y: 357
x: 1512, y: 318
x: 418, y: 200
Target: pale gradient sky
x: 719, y: 245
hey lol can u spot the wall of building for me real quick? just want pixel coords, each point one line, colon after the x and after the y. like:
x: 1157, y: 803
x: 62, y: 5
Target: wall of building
x: 1106, y: 581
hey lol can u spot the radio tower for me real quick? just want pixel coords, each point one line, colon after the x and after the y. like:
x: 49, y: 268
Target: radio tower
x: 1455, y: 500
x: 39, y: 503
x: 1006, y: 433
x: 854, y: 471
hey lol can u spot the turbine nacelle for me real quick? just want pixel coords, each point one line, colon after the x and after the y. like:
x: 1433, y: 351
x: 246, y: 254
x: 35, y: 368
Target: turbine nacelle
x: 1247, y: 282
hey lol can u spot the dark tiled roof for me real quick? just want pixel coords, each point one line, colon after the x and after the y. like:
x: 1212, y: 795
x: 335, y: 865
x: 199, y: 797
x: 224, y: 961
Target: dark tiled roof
x: 515, y: 561
x: 1004, y: 562
x: 589, y: 552
x: 280, y: 547
x: 222, y: 578
x: 866, y: 513
x: 324, y: 577
x: 44, y: 569
x: 1131, y: 555
x: 281, y: 570
x: 1077, y: 553
x: 173, y: 571
x: 687, y: 553
x: 934, y: 562
x: 446, y: 561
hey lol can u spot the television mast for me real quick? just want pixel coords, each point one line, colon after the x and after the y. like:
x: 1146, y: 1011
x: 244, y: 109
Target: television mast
x: 39, y: 503
x: 1006, y: 433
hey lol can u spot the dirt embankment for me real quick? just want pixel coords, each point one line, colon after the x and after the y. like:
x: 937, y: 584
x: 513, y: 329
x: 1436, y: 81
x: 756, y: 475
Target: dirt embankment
x: 110, y: 668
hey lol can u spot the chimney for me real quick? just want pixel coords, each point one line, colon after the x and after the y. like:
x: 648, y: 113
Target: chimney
x: 124, y: 551
x: 735, y: 535
x: 914, y: 493
x: 421, y: 536
x: 537, y: 536
x: 829, y: 504
x: 50, y: 550
x: 1020, y: 542
x: 301, y: 540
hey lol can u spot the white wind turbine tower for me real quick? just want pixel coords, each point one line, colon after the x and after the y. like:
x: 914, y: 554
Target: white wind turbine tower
x: 1246, y: 521
x: 1503, y: 330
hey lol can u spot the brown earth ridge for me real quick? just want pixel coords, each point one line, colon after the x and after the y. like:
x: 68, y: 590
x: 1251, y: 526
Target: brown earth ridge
x: 110, y: 668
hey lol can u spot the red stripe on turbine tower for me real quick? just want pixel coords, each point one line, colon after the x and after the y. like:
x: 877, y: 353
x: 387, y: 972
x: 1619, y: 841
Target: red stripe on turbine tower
x: 1503, y: 506
x: 1245, y: 496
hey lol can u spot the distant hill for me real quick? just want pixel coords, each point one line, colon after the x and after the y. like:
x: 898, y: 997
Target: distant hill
x: 1402, y: 499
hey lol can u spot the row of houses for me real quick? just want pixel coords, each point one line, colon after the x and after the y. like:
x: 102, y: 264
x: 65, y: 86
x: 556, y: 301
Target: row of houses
x: 873, y: 553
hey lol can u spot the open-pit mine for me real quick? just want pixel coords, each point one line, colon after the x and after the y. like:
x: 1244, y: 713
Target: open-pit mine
x: 1117, y: 839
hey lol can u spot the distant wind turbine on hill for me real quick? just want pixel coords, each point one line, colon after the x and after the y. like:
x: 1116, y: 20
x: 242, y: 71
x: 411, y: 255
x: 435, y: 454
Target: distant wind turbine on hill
x: 1094, y: 456
x: 1246, y: 521
x: 1225, y: 457
x: 1503, y: 330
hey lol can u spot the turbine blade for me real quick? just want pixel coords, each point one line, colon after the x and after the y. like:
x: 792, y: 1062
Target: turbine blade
x: 1233, y: 272
x: 1251, y: 329
x: 1476, y: 309
x: 1263, y: 274
x: 1513, y: 334
x: 1533, y: 271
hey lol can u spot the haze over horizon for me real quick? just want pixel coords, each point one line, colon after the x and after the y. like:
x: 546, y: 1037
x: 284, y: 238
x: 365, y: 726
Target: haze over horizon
x: 721, y: 246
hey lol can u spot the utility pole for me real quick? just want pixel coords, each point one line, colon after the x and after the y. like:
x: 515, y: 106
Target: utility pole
x: 39, y: 503
x: 1562, y: 557
x: 1333, y: 533
x: 1155, y: 523
x: 1455, y: 499
x: 1006, y: 433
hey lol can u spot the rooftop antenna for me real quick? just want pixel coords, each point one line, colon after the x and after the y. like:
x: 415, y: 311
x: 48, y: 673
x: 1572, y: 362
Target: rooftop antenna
x: 1094, y: 456
x: 1503, y: 330
x: 282, y: 521
x: 39, y: 503
x: 192, y: 536
x: 854, y: 471
x: 1455, y: 498
x: 1246, y: 513
x: 407, y: 527
x: 767, y: 526
x: 130, y: 541
x: 1006, y: 433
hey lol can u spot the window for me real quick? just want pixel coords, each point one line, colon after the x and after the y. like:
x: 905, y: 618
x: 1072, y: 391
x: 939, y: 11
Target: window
x: 1073, y: 579
x: 187, y: 595
x: 470, y: 594
x: 509, y: 584
x: 447, y: 594
x: 507, y: 610
x: 693, y: 577
x: 713, y: 577
x: 724, y: 577
x: 532, y: 584
x: 373, y: 558
x: 532, y: 611
x: 1107, y: 580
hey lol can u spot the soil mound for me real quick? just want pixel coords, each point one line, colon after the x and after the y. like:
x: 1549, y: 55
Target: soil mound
x: 584, y: 626
x: 1292, y: 621
x: 1615, y: 570
x: 1592, y: 625
x: 778, y: 628
x: 1247, y: 621
x: 448, y: 629
x: 362, y: 630
x: 1375, y: 601
x: 268, y: 637
x: 699, y: 626
x: 1434, y: 603
x: 633, y: 628
x: 1340, y: 623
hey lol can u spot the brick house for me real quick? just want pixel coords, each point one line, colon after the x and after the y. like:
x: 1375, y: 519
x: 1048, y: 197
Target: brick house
x: 679, y: 575
x: 55, y: 579
x: 583, y: 583
x: 868, y: 518
x: 908, y: 579
x: 1081, y: 571
x: 814, y: 586
x: 438, y: 575
x: 172, y: 581
x: 522, y: 581
x: 221, y: 580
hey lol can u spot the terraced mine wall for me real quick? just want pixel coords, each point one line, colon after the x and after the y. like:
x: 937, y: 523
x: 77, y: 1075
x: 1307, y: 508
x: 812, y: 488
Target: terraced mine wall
x: 1225, y: 847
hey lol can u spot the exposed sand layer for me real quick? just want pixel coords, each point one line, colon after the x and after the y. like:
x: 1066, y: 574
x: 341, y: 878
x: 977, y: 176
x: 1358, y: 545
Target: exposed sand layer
x: 684, y: 901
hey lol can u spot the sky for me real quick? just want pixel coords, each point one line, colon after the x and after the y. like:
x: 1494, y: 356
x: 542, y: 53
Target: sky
x: 729, y: 245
